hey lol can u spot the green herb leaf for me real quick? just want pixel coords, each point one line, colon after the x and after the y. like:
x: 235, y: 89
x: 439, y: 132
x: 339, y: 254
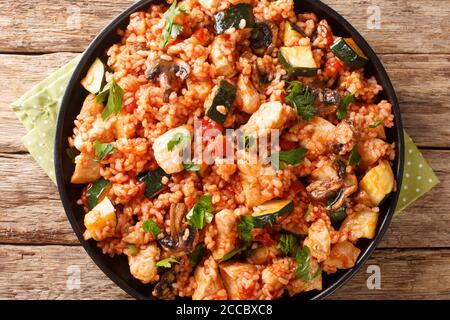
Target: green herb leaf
x: 249, y: 141
x: 234, y: 252
x: 197, y: 254
x: 341, y: 112
x: 354, y: 157
x: 303, y: 259
x: 115, y: 99
x: 287, y: 243
x: 103, y: 149
x: 171, y: 30
x: 202, y: 213
x: 190, y: 166
x: 293, y: 157
x: 178, y: 139
x: 302, y: 99
x: 245, y: 227
x: 72, y: 154
x: 151, y: 226
x: 338, y: 215
x: 376, y: 124
x: 166, y: 263
x: 133, y: 250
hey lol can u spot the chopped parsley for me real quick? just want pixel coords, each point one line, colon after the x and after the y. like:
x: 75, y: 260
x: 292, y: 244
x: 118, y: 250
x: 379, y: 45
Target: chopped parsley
x: 178, y: 139
x: 132, y: 249
x: 341, y: 112
x: 245, y: 227
x: 151, y: 226
x: 197, y: 254
x: 171, y: 30
x: 115, y: 98
x: 354, y: 157
x: 302, y: 99
x: 190, y: 166
x: 303, y: 259
x: 103, y: 149
x: 376, y: 124
x: 293, y: 157
x: 166, y: 263
x: 234, y: 252
x: 201, y: 213
x: 287, y: 243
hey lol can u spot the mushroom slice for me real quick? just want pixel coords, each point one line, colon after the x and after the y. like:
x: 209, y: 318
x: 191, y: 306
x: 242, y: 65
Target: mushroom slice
x: 163, y: 289
x: 170, y: 72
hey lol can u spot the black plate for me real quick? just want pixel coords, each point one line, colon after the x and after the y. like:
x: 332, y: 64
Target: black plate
x: 117, y: 268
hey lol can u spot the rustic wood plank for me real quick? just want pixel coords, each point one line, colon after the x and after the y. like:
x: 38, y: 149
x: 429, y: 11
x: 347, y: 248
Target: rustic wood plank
x: 405, y: 274
x: 425, y: 106
x: 62, y: 25
x: 31, y: 211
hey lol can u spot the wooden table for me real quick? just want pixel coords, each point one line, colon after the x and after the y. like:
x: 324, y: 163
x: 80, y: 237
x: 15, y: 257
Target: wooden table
x: 38, y: 249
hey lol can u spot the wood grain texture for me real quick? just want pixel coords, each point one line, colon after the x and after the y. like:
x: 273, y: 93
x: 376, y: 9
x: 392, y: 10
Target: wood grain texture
x: 49, y: 273
x: 425, y: 108
x: 62, y: 25
x: 31, y: 211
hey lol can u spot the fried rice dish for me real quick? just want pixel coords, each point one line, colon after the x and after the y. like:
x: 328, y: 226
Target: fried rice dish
x: 231, y: 150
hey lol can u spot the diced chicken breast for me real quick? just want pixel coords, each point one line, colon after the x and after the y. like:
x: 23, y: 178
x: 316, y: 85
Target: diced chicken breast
x: 209, y: 283
x: 247, y: 97
x: 210, y: 5
x: 318, y: 240
x: 86, y: 169
x: 101, y: 221
x: 224, y: 62
x: 143, y: 264
x: 317, y: 135
x: 343, y: 255
x: 276, y: 277
x: 171, y: 161
x: 225, y: 222
x: 90, y: 107
x: 298, y: 285
x: 241, y: 280
x: 270, y: 115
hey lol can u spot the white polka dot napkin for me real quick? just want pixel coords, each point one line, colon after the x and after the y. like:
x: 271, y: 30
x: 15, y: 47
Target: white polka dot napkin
x: 38, y: 109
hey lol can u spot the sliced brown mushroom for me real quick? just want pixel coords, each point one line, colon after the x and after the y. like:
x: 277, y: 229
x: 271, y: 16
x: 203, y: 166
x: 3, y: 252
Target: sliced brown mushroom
x: 170, y: 72
x: 327, y: 101
x: 164, y: 288
x: 181, y: 238
x: 350, y: 186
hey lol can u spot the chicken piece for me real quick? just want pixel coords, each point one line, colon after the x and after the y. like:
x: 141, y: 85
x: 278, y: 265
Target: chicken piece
x: 298, y: 285
x: 209, y: 282
x: 210, y: 5
x: 241, y: 280
x: 270, y: 115
x: 168, y: 148
x: 247, y: 97
x: 225, y: 222
x: 262, y: 254
x: 224, y: 170
x: 101, y: 221
x: 90, y: 107
x: 223, y: 56
x: 122, y: 126
x: 277, y: 276
x: 143, y: 264
x: 86, y: 170
x: 317, y: 135
x: 343, y: 255
x: 318, y: 240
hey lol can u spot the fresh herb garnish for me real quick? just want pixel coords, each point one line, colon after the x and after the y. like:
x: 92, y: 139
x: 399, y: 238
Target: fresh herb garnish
x: 287, y: 243
x: 166, y: 263
x: 177, y: 139
x: 354, y: 157
x: 151, y: 226
x: 115, y: 98
x: 171, y: 30
x: 234, y: 252
x: 303, y: 259
x: 72, y: 154
x: 302, y: 99
x: 341, y: 112
x: 133, y: 250
x: 202, y: 213
x: 245, y: 227
x: 197, y: 254
x: 293, y: 157
x: 376, y: 124
x: 249, y: 141
x: 103, y: 149
x: 338, y: 215
x: 190, y: 166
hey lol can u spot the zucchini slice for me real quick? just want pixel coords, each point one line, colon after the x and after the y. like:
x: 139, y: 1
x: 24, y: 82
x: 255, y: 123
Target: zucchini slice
x: 97, y: 192
x: 270, y: 210
x: 95, y: 77
x: 298, y: 61
x: 153, y: 182
x: 378, y: 182
x: 221, y: 102
x: 291, y: 33
x: 231, y: 18
x: 348, y: 51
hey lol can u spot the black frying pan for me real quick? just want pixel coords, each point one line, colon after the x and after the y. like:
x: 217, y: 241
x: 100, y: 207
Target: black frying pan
x: 117, y: 268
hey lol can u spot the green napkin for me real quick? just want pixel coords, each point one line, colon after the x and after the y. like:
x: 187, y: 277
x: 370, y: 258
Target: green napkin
x: 38, y: 110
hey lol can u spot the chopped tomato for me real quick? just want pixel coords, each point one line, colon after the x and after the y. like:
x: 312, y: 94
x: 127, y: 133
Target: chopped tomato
x: 287, y: 145
x: 265, y: 239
